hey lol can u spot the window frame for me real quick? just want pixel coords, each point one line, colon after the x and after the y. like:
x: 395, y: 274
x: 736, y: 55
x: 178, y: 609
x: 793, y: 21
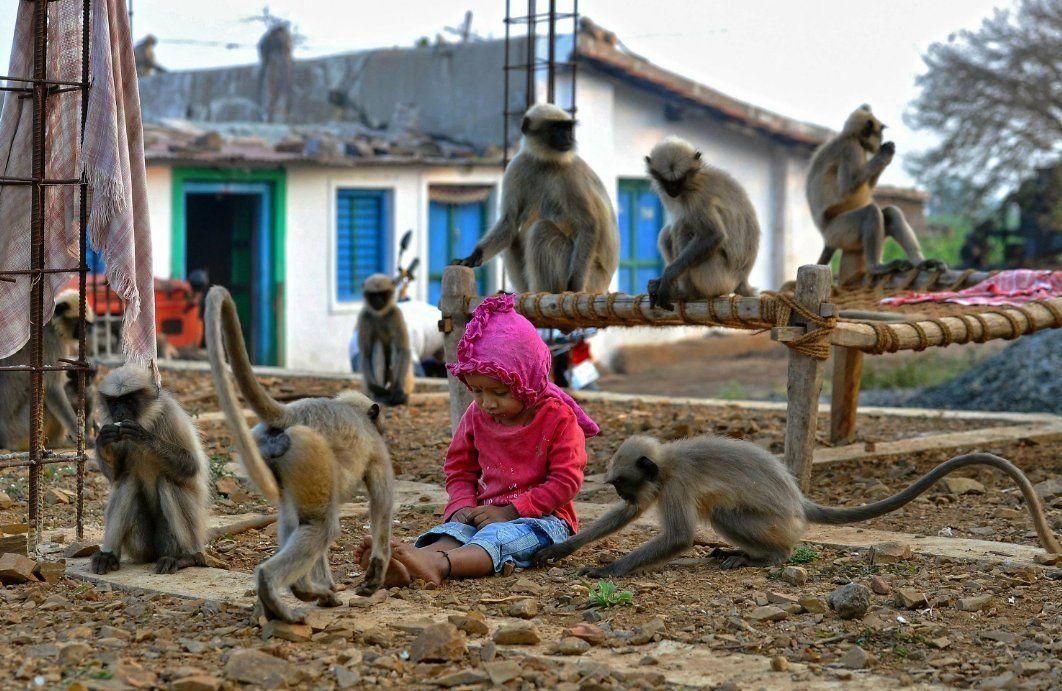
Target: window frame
x: 386, y: 235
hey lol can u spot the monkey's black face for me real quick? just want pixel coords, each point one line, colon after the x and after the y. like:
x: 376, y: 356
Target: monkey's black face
x: 627, y: 489
x: 124, y: 408
x: 560, y: 136
x: 672, y: 186
x: 378, y: 299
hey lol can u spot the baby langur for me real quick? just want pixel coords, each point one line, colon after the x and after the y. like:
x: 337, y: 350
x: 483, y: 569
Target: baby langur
x: 383, y: 341
x: 59, y: 339
x: 840, y: 183
x: 557, y: 226
x: 150, y: 451
x: 746, y: 494
x: 309, y: 457
x: 711, y: 241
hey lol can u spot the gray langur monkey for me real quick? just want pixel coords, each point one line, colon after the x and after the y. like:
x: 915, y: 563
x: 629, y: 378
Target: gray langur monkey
x: 144, y: 56
x: 746, y: 494
x: 59, y: 336
x: 383, y: 341
x: 308, y: 457
x: 840, y: 184
x: 712, y: 237
x: 557, y: 227
x: 150, y: 451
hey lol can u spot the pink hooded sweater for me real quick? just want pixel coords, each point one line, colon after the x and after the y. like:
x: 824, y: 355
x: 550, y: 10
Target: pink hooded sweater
x: 537, y: 468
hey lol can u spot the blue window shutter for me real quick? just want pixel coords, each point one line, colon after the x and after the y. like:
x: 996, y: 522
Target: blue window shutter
x: 641, y: 216
x: 362, y: 229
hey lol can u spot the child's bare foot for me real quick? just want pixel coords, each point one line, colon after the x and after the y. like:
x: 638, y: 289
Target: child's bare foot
x: 397, y: 574
x: 426, y: 564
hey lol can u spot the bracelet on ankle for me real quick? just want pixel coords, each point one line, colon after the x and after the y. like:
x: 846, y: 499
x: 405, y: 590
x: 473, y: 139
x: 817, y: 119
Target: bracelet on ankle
x: 449, y: 565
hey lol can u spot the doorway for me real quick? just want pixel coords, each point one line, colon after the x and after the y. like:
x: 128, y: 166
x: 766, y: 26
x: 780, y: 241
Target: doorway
x: 229, y: 228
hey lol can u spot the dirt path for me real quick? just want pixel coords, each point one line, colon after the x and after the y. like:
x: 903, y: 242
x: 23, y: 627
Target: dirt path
x: 982, y: 614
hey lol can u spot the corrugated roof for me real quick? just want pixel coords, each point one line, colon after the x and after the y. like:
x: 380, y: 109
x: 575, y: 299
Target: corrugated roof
x: 600, y: 48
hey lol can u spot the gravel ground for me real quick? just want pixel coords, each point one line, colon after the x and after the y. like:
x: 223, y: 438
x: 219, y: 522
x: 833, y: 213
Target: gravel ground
x: 986, y: 626
x: 1025, y: 377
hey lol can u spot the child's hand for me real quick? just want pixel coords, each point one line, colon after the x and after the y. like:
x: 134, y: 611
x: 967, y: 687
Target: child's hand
x: 461, y: 515
x: 485, y: 515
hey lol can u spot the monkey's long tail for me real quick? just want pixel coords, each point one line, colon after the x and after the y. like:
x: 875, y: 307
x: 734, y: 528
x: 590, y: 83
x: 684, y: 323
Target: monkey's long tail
x: 817, y: 513
x: 221, y: 315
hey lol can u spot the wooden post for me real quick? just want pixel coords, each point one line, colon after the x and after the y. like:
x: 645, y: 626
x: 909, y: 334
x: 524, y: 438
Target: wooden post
x: 458, y: 286
x: 805, y: 379
x: 847, y: 368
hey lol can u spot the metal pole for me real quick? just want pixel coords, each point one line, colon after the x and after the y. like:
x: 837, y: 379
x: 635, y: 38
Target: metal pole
x: 37, y: 190
x: 505, y: 90
x: 551, y: 64
x: 529, y: 93
x: 82, y: 350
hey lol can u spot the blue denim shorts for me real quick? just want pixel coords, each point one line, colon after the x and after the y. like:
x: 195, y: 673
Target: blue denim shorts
x: 510, y: 541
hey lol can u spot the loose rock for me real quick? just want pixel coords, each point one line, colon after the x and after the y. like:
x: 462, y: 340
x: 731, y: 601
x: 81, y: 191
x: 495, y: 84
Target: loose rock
x: 975, y: 604
x: 81, y: 549
x: 963, y: 485
x: 644, y: 634
x: 5, y: 501
x: 814, y: 605
x: 779, y: 663
x: 909, y: 598
x: 850, y: 601
x: 197, y: 683
x: 570, y: 645
x: 594, y: 635
x: 15, y: 568
x: 856, y: 658
x: 502, y: 671
x: 50, y: 571
x: 768, y: 613
x: 795, y: 575
x: 296, y: 633
x: 441, y: 642
x: 255, y: 667
x: 467, y: 677
x: 517, y: 634
x: 523, y: 609
x: 890, y: 552
x: 880, y: 586
x: 346, y: 678
x: 473, y: 623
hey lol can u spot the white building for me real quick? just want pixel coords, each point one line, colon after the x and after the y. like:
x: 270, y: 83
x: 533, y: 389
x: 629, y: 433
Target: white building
x: 292, y: 215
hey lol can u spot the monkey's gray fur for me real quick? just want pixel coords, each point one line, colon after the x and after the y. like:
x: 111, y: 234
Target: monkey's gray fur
x: 840, y: 184
x: 383, y: 341
x: 712, y: 237
x: 150, y: 451
x: 58, y: 336
x: 317, y: 452
x: 746, y: 494
x: 557, y: 228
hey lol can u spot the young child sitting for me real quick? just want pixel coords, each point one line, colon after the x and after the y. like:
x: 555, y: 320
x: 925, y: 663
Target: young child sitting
x: 515, y: 463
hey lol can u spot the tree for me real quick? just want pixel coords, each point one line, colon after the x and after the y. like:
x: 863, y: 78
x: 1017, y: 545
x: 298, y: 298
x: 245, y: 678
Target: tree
x: 995, y: 97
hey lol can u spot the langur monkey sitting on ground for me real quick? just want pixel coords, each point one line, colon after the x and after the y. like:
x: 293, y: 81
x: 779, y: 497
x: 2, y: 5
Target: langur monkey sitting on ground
x: 59, y: 338
x: 150, y: 451
x: 557, y: 226
x: 308, y: 456
x: 840, y: 183
x: 712, y: 237
x: 746, y: 494
x: 383, y: 341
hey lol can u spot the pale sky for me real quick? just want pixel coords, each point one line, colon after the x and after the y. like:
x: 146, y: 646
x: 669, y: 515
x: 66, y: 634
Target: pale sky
x: 814, y: 60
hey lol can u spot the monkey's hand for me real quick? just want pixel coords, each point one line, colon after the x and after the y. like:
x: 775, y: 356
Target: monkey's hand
x: 108, y: 434
x: 472, y: 261
x: 887, y: 150
x: 598, y: 571
x: 551, y: 553
x: 895, y: 266
x: 104, y: 562
x: 933, y: 265
x: 397, y: 396
x: 660, y: 294
x: 378, y: 392
x: 133, y: 432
